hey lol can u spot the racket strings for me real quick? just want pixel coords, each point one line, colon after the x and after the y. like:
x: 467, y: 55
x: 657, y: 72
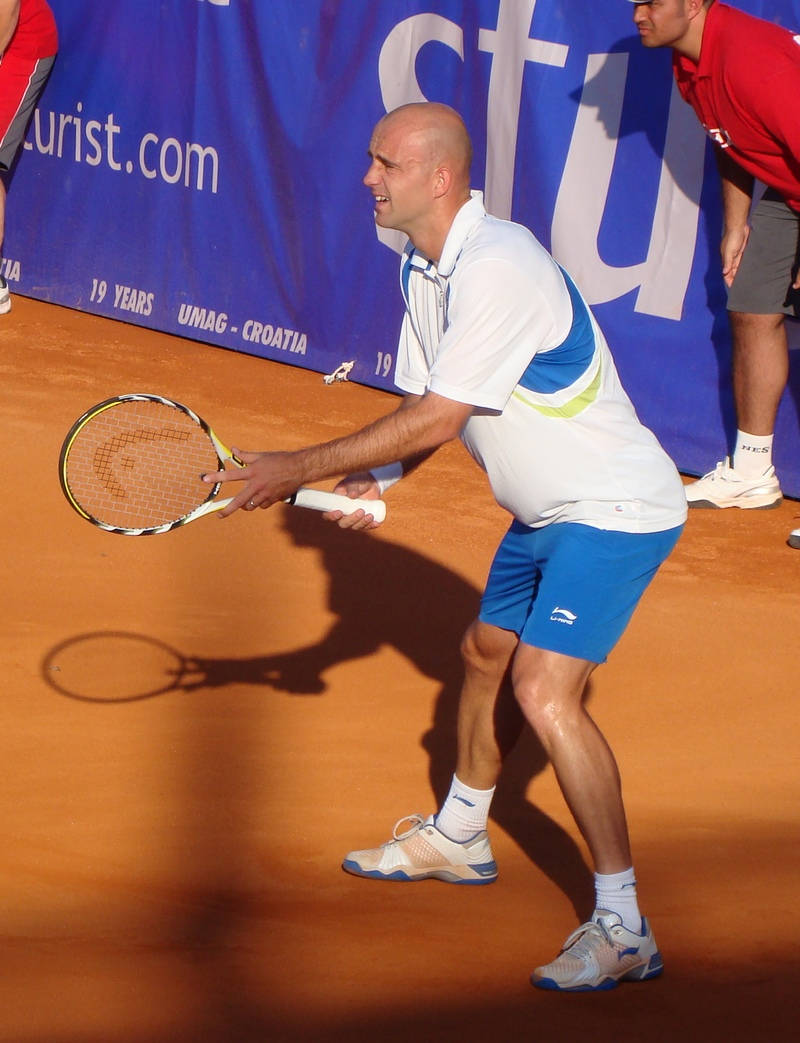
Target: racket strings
x: 138, y: 465
x: 108, y: 456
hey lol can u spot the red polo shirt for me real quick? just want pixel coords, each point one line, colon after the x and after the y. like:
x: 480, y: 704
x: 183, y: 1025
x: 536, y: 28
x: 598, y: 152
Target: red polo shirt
x: 746, y: 92
x: 35, y: 36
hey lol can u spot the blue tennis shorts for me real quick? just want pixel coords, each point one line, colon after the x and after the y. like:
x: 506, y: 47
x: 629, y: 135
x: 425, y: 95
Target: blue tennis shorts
x: 571, y: 588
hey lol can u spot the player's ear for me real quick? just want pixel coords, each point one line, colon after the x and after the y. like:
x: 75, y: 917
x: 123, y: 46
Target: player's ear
x: 442, y: 180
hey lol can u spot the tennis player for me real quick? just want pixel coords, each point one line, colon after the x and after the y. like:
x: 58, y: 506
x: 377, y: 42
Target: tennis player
x: 28, y: 45
x: 498, y: 348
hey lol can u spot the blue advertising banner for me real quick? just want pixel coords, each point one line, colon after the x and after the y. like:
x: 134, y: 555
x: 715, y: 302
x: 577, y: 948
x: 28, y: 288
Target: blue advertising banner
x: 195, y: 166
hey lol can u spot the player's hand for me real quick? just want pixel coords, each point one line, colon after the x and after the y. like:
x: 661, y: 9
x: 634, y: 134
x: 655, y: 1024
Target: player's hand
x: 268, y: 478
x: 731, y: 249
x: 357, y: 486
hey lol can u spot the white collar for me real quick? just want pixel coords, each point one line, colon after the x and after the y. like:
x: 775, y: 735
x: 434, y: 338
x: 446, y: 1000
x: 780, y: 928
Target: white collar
x: 470, y: 214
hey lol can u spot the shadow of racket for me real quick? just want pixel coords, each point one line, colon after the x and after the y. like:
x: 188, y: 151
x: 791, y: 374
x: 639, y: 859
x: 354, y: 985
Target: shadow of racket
x: 115, y: 666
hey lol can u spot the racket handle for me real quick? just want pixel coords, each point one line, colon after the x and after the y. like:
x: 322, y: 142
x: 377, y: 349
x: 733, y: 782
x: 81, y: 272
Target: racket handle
x: 317, y: 500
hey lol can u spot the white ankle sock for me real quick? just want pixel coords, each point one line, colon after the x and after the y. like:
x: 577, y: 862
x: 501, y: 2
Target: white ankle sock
x: 616, y: 892
x: 465, y: 811
x: 752, y: 454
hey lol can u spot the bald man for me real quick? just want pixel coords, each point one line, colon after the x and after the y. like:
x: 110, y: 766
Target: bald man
x: 499, y: 349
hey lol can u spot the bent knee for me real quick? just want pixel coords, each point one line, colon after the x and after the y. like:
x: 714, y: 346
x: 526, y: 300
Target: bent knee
x: 536, y: 701
x: 550, y: 688
x: 487, y: 648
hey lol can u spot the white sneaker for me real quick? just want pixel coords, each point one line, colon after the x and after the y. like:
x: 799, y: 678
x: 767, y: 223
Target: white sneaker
x: 794, y: 539
x: 422, y: 853
x: 599, y: 955
x: 725, y: 487
x: 5, y: 297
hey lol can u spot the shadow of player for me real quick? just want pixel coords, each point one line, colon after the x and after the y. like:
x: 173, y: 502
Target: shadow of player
x: 383, y: 594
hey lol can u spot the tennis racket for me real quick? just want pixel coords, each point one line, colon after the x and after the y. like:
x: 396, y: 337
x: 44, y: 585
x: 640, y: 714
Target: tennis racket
x: 134, y: 465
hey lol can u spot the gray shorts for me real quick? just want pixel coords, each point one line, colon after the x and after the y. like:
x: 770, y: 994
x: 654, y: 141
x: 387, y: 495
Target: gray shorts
x: 763, y: 283
x: 22, y: 80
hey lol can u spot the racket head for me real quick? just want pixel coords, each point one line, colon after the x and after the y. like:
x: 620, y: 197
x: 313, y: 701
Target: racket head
x: 133, y: 465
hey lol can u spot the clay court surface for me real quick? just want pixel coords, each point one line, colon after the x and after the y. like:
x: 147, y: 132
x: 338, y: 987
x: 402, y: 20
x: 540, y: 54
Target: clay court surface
x: 198, y: 726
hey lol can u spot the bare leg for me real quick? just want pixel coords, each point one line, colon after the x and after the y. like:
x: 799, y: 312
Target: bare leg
x: 549, y: 688
x: 760, y: 369
x: 489, y: 723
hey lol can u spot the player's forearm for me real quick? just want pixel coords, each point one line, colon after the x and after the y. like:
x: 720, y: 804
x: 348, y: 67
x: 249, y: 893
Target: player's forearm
x: 737, y: 191
x: 410, y: 463
x: 410, y: 432
x: 9, y: 15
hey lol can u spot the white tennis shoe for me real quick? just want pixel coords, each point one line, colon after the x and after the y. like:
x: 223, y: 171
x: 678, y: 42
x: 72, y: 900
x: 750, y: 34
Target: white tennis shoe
x: 599, y: 955
x: 423, y: 853
x: 5, y: 297
x: 726, y: 487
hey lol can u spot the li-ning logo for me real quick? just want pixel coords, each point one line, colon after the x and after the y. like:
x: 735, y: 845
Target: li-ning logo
x: 220, y: 3
x: 562, y: 615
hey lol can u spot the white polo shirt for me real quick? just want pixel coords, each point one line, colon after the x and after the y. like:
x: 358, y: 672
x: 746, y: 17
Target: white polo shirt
x: 498, y: 325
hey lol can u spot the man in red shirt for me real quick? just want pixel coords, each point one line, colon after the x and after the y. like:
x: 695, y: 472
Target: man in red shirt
x: 741, y: 75
x: 28, y: 45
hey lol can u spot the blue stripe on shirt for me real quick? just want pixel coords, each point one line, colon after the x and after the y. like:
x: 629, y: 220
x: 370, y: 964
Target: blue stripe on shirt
x: 554, y: 370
